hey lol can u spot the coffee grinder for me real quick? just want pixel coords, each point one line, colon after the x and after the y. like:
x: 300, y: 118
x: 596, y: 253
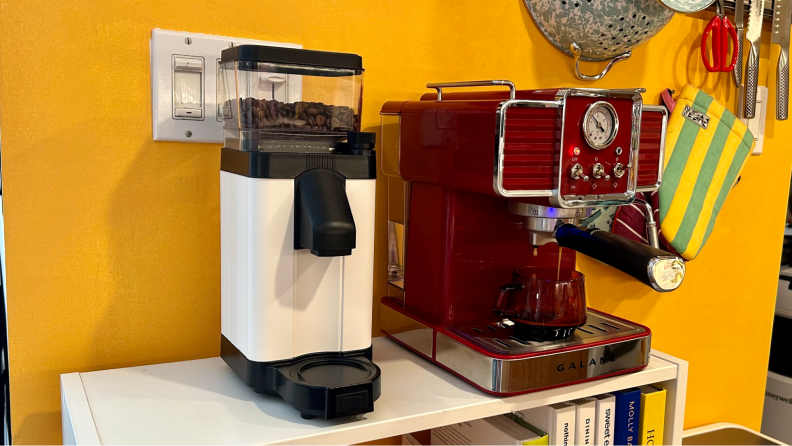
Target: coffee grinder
x: 297, y: 187
x: 484, y: 189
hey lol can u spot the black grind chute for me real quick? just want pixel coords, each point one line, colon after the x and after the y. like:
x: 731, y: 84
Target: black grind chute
x: 323, y: 218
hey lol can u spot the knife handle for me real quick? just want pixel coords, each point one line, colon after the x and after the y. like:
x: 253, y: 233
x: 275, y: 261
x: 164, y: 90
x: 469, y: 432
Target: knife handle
x: 751, y: 80
x: 782, y: 86
x: 737, y: 71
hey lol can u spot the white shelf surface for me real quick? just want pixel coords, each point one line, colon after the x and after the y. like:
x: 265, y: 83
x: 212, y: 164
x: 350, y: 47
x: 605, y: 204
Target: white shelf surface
x: 204, y: 402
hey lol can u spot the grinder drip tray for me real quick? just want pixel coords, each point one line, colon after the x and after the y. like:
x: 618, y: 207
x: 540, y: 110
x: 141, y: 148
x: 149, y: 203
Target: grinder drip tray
x: 328, y: 385
x: 503, y: 336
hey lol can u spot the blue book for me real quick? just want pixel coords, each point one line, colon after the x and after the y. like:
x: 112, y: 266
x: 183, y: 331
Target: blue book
x: 628, y: 413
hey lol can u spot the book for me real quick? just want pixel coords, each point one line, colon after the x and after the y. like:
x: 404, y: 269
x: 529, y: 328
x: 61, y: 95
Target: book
x: 558, y: 420
x: 489, y: 431
x: 585, y: 420
x: 521, y: 429
x: 409, y: 440
x: 628, y: 412
x: 606, y: 419
x: 653, y: 401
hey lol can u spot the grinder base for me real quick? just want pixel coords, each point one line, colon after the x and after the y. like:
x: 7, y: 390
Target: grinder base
x: 328, y: 384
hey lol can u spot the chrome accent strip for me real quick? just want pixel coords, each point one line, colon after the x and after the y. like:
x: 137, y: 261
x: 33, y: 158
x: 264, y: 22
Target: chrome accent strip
x: 660, y: 166
x: 521, y: 375
x: 406, y: 330
x: 539, y: 211
x: 651, y: 225
x: 488, y: 83
x: 500, y: 143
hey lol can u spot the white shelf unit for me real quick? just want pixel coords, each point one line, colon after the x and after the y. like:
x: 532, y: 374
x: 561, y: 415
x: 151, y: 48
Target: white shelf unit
x: 204, y: 402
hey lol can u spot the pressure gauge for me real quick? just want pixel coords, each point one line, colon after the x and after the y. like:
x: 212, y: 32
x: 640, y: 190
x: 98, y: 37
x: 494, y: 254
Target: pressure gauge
x: 600, y: 125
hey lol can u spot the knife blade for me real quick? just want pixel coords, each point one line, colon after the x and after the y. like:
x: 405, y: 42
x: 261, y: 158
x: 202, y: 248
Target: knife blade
x: 782, y: 20
x: 754, y: 35
x: 739, y: 18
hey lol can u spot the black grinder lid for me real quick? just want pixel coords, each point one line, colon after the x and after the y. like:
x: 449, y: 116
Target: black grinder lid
x: 291, y: 56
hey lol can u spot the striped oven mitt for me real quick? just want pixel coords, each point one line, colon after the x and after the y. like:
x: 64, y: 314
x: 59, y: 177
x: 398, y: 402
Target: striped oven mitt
x: 701, y: 166
x: 706, y: 149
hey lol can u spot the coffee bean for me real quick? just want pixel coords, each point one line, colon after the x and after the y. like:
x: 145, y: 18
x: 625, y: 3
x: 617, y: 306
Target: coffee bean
x: 264, y: 114
x: 272, y: 108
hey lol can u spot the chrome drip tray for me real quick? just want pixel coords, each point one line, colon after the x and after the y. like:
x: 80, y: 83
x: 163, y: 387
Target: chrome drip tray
x: 498, y: 336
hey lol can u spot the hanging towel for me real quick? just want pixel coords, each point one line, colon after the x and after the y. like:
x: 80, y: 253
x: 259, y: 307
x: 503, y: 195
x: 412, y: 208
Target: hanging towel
x: 630, y: 222
x: 706, y: 149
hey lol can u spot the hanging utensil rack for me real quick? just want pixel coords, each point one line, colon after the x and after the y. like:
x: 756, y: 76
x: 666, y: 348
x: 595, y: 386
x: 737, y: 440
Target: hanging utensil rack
x: 729, y: 6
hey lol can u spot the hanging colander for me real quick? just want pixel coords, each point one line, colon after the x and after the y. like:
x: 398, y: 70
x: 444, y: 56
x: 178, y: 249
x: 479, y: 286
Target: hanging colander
x: 598, y: 30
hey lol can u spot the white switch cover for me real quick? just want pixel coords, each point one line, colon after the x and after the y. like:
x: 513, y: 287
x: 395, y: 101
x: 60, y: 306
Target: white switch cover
x: 756, y: 124
x: 184, y: 84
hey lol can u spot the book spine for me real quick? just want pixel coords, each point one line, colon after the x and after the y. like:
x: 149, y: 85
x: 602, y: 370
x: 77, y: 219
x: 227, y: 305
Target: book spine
x: 652, y: 417
x: 565, y: 427
x: 606, y: 417
x: 585, y: 422
x: 628, y: 413
x: 541, y: 441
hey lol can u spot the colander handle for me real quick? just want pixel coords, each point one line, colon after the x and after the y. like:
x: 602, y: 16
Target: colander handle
x: 576, y: 52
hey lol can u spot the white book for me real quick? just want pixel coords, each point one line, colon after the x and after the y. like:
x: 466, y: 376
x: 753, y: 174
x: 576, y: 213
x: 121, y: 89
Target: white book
x: 606, y: 419
x: 558, y: 420
x: 498, y: 430
x: 585, y: 420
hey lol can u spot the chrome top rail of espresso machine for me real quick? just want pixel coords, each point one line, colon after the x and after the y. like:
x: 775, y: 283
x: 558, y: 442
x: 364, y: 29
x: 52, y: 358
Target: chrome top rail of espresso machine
x: 483, y: 184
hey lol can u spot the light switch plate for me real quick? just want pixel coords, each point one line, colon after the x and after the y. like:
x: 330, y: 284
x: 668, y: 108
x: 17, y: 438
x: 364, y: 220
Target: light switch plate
x: 756, y: 124
x: 165, y: 45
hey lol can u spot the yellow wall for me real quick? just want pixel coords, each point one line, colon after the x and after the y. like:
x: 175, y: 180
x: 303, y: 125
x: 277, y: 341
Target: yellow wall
x: 113, y: 240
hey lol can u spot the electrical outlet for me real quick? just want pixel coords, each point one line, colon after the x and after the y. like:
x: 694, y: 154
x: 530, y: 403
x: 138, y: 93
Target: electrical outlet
x: 185, y: 84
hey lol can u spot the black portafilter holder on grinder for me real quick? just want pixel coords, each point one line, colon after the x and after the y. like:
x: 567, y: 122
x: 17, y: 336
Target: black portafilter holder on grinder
x: 654, y: 267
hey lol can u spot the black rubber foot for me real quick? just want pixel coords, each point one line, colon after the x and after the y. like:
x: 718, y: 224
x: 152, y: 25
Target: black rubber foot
x: 306, y: 416
x: 525, y: 332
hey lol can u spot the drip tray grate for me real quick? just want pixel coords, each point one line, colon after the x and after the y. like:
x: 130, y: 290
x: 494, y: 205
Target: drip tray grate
x: 498, y: 336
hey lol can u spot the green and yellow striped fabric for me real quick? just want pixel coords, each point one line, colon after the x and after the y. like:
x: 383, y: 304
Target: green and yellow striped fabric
x: 701, y: 166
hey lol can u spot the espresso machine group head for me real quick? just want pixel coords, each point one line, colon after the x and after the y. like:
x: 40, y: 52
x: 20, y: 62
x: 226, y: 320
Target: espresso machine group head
x: 482, y: 184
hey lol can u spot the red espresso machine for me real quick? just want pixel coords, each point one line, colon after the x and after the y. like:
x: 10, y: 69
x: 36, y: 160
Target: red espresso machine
x: 482, y: 183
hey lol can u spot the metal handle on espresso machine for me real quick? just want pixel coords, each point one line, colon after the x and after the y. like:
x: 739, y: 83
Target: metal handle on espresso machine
x: 659, y: 269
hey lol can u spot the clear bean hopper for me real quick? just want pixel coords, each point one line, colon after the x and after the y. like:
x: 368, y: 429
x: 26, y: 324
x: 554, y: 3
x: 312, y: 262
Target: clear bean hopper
x: 276, y: 99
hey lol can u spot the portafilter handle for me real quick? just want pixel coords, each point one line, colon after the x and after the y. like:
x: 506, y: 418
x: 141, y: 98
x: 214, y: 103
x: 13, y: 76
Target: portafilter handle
x: 654, y: 267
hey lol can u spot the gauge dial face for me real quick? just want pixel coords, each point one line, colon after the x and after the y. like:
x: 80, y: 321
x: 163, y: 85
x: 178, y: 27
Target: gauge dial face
x: 600, y: 125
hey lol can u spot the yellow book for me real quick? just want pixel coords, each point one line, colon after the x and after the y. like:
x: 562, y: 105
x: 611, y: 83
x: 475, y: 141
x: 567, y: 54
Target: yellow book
x: 653, y: 402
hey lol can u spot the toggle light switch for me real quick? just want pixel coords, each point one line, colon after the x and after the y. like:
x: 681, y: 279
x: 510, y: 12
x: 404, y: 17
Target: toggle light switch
x: 186, y: 85
x: 188, y: 97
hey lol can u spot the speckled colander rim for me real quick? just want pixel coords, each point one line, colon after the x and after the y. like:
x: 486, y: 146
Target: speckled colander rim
x: 678, y: 5
x: 567, y: 51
